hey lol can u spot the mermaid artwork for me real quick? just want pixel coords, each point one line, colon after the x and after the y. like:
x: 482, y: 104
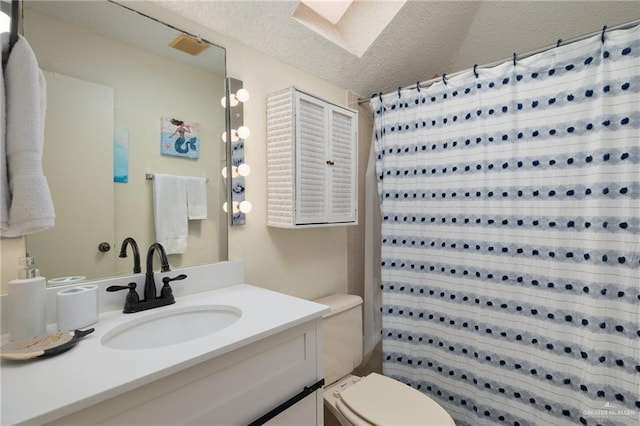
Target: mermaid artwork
x: 182, y: 145
x: 179, y: 138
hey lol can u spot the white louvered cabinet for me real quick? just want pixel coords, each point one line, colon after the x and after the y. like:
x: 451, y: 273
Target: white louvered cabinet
x: 311, y: 161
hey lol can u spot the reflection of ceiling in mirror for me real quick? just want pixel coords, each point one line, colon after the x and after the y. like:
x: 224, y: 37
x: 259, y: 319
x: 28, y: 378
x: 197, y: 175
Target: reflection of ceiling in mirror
x: 117, y: 22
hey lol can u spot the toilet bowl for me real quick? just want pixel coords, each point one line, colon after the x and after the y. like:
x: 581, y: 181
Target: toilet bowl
x: 374, y: 399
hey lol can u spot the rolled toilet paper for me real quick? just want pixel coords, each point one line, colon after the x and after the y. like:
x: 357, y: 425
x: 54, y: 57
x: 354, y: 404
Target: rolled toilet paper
x: 77, y: 307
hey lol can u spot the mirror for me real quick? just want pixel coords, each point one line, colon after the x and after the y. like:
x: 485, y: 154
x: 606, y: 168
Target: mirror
x: 114, y: 87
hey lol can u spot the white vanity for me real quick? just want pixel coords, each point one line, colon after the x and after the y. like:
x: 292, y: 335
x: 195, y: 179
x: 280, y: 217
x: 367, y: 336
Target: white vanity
x: 268, y: 358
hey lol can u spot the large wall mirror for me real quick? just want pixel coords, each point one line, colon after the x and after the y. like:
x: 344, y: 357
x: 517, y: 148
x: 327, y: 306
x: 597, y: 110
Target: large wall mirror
x: 114, y: 85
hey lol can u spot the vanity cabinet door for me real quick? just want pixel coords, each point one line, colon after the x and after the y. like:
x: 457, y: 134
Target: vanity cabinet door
x: 245, y: 392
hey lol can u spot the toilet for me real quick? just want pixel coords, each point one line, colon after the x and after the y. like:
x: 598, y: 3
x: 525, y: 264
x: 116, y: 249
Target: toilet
x: 373, y: 399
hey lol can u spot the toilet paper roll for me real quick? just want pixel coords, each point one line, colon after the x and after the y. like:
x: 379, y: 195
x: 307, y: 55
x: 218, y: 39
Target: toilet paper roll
x: 77, y: 307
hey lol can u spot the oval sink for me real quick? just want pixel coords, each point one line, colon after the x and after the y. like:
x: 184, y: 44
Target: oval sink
x: 171, y: 327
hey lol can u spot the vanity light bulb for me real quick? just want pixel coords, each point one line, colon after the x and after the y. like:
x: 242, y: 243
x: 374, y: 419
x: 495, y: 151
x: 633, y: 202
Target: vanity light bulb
x: 223, y: 136
x: 244, y: 132
x: 224, y: 172
x: 245, y: 207
x: 244, y: 169
x: 236, y: 207
x: 243, y: 95
x: 232, y: 100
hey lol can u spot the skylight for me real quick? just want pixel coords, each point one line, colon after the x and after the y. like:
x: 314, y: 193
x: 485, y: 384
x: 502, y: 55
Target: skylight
x: 352, y: 25
x: 331, y: 10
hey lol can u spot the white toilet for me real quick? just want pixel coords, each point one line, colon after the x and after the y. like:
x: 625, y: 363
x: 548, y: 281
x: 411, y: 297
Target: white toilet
x: 373, y: 399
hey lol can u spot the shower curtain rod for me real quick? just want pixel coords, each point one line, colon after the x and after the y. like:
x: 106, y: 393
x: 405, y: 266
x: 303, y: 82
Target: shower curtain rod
x: 560, y: 42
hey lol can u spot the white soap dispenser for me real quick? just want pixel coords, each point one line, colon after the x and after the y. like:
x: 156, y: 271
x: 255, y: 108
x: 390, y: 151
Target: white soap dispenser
x: 27, y: 302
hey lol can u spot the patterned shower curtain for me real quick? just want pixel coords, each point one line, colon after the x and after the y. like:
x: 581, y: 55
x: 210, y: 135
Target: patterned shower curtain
x: 510, y: 202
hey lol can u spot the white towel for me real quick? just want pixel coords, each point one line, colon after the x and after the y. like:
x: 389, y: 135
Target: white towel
x: 170, y: 212
x: 196, y: 198
x: 31, y: 207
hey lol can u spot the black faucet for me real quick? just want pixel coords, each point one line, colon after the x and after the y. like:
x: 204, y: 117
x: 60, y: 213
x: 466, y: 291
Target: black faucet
x: 149, y: 283
x: 132, y: 302
x: 136, y: 254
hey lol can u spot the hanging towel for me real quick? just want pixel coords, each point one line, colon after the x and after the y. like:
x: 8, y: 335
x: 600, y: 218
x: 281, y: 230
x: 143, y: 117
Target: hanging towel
x: 196, y: 198
x: 170, y: 212
x: 30, y: 204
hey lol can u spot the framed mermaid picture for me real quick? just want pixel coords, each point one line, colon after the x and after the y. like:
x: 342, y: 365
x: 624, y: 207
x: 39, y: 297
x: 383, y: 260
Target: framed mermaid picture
x: 180, y: 137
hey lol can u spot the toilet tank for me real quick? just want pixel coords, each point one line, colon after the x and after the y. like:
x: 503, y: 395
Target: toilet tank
x: 341, y: 336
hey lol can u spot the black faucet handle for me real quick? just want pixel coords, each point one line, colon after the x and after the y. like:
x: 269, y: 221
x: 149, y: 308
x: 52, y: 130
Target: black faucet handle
x: 130, y: 286
x: 167, y: 292
x: 132, y: 298
x: 167, y: 280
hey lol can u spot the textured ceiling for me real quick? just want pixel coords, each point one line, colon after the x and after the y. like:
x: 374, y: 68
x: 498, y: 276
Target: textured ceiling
x: 424, y: 39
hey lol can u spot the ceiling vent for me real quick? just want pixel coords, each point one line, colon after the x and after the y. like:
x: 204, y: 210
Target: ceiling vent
x: 188, y: 44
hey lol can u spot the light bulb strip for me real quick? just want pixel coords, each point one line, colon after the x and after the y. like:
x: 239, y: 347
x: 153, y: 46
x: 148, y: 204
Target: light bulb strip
x: 239, y: 134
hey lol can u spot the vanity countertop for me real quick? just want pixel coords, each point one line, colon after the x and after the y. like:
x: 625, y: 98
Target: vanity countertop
x: 44, y: 389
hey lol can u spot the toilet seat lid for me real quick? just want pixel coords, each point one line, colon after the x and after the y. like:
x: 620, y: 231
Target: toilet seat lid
x: 380, y: 400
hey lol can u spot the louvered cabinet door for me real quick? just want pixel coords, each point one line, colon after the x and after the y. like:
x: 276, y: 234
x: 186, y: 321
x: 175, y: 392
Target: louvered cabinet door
x: 311, y: 169
x: 342, y: 165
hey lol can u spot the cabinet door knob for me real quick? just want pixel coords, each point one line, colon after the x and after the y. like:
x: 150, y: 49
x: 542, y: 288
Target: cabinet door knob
x: 104, y: 247
x: 330, y: 163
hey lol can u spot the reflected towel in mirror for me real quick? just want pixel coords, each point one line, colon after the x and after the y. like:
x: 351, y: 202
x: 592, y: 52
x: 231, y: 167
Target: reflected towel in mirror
x: 196, y: 198
x: 170, y: 212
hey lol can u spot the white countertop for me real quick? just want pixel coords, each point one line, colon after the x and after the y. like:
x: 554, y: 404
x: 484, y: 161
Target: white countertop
x: 45, y: 389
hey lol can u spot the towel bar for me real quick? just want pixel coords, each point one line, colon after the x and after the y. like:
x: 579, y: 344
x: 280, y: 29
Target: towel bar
x: 149, y: 176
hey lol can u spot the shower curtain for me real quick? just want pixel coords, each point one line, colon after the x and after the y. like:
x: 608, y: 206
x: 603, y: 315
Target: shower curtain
x: 510, y: 202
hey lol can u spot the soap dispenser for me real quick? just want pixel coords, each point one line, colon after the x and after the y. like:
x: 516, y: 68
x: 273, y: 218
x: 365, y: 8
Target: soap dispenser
x: 27, y: 300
